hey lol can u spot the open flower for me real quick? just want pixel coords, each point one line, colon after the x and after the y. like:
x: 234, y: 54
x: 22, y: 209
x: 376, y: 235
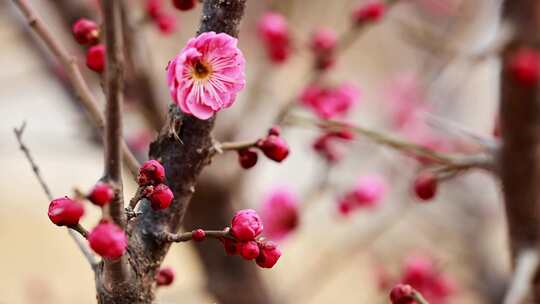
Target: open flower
x: 207, y: 74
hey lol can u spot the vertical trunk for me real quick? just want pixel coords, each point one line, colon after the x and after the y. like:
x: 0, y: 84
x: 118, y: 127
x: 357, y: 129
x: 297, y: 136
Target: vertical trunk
x: 520, y: 121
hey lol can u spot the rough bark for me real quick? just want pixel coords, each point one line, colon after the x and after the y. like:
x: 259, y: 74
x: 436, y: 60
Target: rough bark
x: 184, y: 148
x: 520, y: 120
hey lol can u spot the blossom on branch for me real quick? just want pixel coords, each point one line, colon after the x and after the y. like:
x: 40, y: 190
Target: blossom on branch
x: 206, y: 75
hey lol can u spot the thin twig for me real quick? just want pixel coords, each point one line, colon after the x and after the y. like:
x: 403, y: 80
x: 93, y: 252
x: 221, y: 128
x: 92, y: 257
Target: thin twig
x: 37, y: 173
x: 87, y: 99
x: 234, y: 146
x: 520, y: 285
x: 188, y: 236
x: 450, y: 161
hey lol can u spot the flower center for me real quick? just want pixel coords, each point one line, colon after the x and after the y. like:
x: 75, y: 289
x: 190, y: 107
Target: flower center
x: 201, y: 71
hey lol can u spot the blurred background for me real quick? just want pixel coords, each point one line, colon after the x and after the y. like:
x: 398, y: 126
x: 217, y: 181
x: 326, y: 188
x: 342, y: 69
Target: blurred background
x: 419, y: 53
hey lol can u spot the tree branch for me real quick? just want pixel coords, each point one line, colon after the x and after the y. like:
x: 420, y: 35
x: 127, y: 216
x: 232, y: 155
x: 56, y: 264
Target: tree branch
x: 37, y: 173
x: 188, y: 236
x: 85, y: 96
x: 520, y: 284
x: 115, y: 272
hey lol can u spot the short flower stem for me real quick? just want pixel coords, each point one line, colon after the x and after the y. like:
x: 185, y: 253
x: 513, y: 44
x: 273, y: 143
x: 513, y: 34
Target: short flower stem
x: 80, y: 229
x: 136, y: 198
x: 188, y: 236
x: 418, y: 298
x: 235, y: 146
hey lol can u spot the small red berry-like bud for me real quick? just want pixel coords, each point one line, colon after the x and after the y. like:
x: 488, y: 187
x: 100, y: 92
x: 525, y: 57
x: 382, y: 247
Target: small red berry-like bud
x: 323, y: 41
x: 108, y: 240
x: 165, y: 276
x: 231, y: 246
x: 425, y: 186
x: 95, y: 58
x: 154, y: 8
x: 249, y: 250
x: 64, y: 211
x: 161, y: 197
x: 369, y: 12
x: 274, y: 147
x: 269, y: 255
x: 524, y: 67
x: 151, y: 173
x: 198, y: 235
x: 166, y: 23
x: 246, y: 225
x: 274, y: 130
x: 402, y: 294
x: 85, y: 31
x: 345, y: 206
x: 101, y: 194
x: 247, y: 158
x: 184, y: 5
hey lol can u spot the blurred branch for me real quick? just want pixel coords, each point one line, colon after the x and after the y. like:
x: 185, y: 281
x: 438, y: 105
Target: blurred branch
x: 188, y: 236
x: 520, y: 284
x: 76, y: 79
x: 37, y: 173
x: 449, y: 161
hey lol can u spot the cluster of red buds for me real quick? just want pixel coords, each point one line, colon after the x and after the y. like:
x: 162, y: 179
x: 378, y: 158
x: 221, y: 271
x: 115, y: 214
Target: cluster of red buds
x: 246, y: 228
x: 86, y: 32
x: 165, y: 21
x: 273, y: 146
x: 151, y: 179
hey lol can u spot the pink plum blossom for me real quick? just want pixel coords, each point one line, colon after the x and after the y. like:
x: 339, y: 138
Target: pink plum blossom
x: 330, y: 102
x: 280, y: 213
x: 206, y: 75
x: 274, y: 32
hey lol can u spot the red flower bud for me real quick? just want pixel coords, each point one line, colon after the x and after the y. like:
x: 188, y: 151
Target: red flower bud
x: 231, y: 246
x: 65, y: 211
x: 198, y: 235
x: 108, y: 240
x: 274, y: 147
x: 151, y: 173
x: 249, y: 250
x: 369, y: 12
x: 425, y: 186
x: 166, y: 23
x: 246, y: 225
x: 101, y: 194
x: 85, y: 31
x: 524, y: 67
x: 161, y: 197
x: 402, y: 294
x: 154, y: 8
x: 247, y: 158
x: 184, y: 5
x: 95, y: 58
x: 269, y: 255
x: 165, y: 276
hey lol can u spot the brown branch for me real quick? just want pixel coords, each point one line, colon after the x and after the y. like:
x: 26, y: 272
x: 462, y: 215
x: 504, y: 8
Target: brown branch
x: 520, y: 117
x: 188, y: 236
x: 116, y: 272
x: 37, y: 173
x: 85, y: 96
x: 448, y: 161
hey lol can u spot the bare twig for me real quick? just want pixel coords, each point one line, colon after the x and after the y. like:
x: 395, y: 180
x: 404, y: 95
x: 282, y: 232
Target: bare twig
x: 188, y: 236
x: 71, y: 230
x: 87, y: 99
x: 520, y: 285
x: 234, y: 146
x: 449, y: 161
